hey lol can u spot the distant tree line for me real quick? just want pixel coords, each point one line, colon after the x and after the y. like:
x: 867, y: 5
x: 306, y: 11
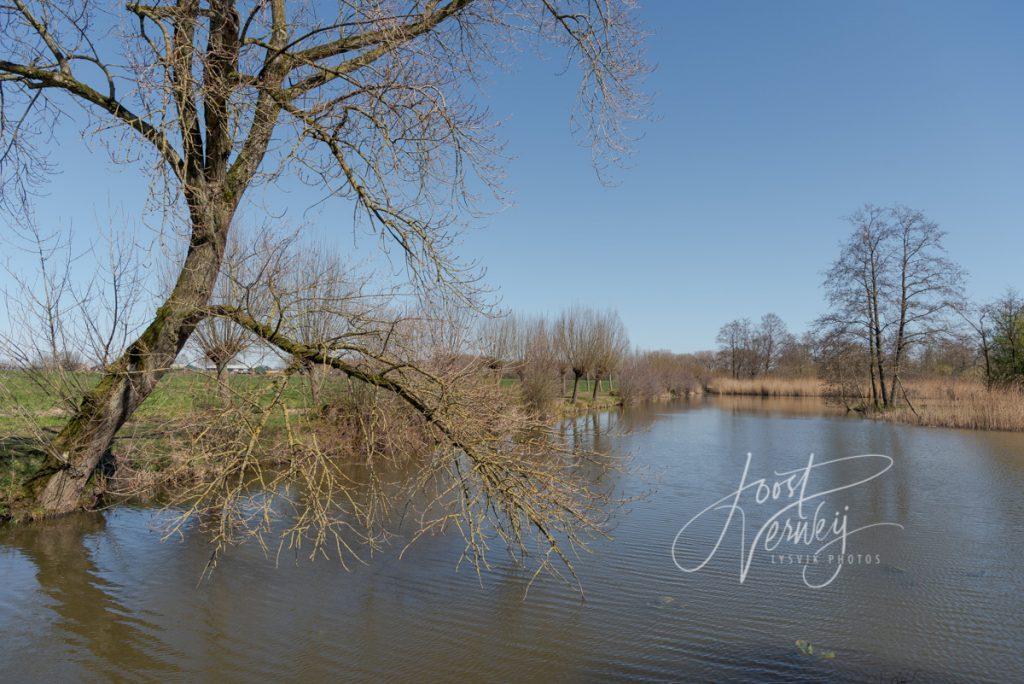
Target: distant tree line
x: 545, y: 354
x: 896, y: 308
x: 747, y: 350
x: 550, y: 356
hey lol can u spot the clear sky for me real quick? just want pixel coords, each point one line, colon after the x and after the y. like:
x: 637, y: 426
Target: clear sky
x: 771, y: 121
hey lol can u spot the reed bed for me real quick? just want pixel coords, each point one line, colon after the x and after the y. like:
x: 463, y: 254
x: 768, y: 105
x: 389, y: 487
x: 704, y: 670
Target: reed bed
x: 767, y: 387
x: 934, y: 402
x: 960, y: 404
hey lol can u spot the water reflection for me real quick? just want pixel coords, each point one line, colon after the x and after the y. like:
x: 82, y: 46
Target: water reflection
x: 100, y: 596
x: 790, y: 407
x: 88, y: 622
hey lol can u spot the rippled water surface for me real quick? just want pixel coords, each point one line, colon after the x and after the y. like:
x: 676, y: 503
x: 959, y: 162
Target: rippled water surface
x: 101, y: 596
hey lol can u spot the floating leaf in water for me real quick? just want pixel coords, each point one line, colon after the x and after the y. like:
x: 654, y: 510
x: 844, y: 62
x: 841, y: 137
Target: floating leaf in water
x: 807, y: 648
x: 665, y: 602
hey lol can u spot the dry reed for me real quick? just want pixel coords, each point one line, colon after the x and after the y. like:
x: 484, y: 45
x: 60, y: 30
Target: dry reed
x: 934, y: 402
x: 767, y: 387
x: 960, y: 404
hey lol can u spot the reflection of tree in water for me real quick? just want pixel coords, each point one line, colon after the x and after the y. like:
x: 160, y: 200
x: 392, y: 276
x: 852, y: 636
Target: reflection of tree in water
x: 100, y: 630
x: 598, y: 435
x: 792, y: 407
x: 639, y: 417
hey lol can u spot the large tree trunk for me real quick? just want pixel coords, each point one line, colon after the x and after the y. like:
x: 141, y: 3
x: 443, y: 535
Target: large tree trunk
x: 882, y: 384
x: 871, y: 370
x: 988, y: 362
x: 75, y: 452
x: 597, y: 383
x: 879, y: 355
x: 575, y: 385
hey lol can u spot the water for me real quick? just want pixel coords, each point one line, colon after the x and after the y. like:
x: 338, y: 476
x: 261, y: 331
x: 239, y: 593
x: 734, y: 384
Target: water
x: 100, y: 596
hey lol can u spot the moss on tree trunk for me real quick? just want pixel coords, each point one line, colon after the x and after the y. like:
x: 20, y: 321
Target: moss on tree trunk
x: 57, y: 486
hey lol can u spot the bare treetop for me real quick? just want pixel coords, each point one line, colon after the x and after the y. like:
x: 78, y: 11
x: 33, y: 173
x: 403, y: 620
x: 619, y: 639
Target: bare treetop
x: 373, y: 101
x: 891, y: 289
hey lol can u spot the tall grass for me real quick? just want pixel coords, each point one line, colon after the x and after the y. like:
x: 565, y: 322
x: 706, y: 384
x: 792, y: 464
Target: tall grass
x: 960, y: 404
x: 767, y: 387
x: 935, y: 402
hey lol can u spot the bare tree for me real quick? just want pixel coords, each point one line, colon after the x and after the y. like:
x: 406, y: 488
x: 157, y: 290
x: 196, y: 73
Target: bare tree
x: 736, y: 345
x: 370, y: 101
x: 770, y: 338
x: 500, y: 341
x: 574, y: 339
x: 638, y: 380
x: 655, y: 374
x: 797, y: 356
x: 62, y: 324
x: 481, y: 463
x: 854, y: 287
x: 890, y: 289
x: 610, y: 343
x: 40, y: 311
x: 954, y: 353
x: 928, y: 286
x: 843, y: 363
x: 539, y: 365
x: 1007, y: 321
x: 323, y: 299
x: 979, y: 320
x: 113, y: 299
x: 220, y: 340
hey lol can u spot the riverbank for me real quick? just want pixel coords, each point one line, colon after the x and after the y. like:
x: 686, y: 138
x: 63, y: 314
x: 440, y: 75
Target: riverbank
x: 567, y: 409
x: 931, y: 402
x: 177, y: 436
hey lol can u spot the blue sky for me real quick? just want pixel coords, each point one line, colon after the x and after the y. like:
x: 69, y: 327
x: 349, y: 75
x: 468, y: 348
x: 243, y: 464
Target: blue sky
x: 771, y: 121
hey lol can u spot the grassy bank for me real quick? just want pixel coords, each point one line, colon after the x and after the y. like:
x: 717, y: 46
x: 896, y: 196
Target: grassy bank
x: 24, y: 404
x: 604, y: 402
x: 935, y: 402
x: 149, y: 447
x: 179, y: 392
x: 30, y: 415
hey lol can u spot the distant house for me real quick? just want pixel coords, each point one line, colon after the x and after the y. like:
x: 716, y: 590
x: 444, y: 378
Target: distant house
x: 206, y: 367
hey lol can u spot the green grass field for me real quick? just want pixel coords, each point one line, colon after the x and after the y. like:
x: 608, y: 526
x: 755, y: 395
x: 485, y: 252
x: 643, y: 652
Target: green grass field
x: 29, y: 411
x: 585, y: 388
x: 178, y: 392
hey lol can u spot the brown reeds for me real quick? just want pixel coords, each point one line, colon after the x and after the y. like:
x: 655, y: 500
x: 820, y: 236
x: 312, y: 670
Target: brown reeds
x: 935, y: 402
x: 768, y: 387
